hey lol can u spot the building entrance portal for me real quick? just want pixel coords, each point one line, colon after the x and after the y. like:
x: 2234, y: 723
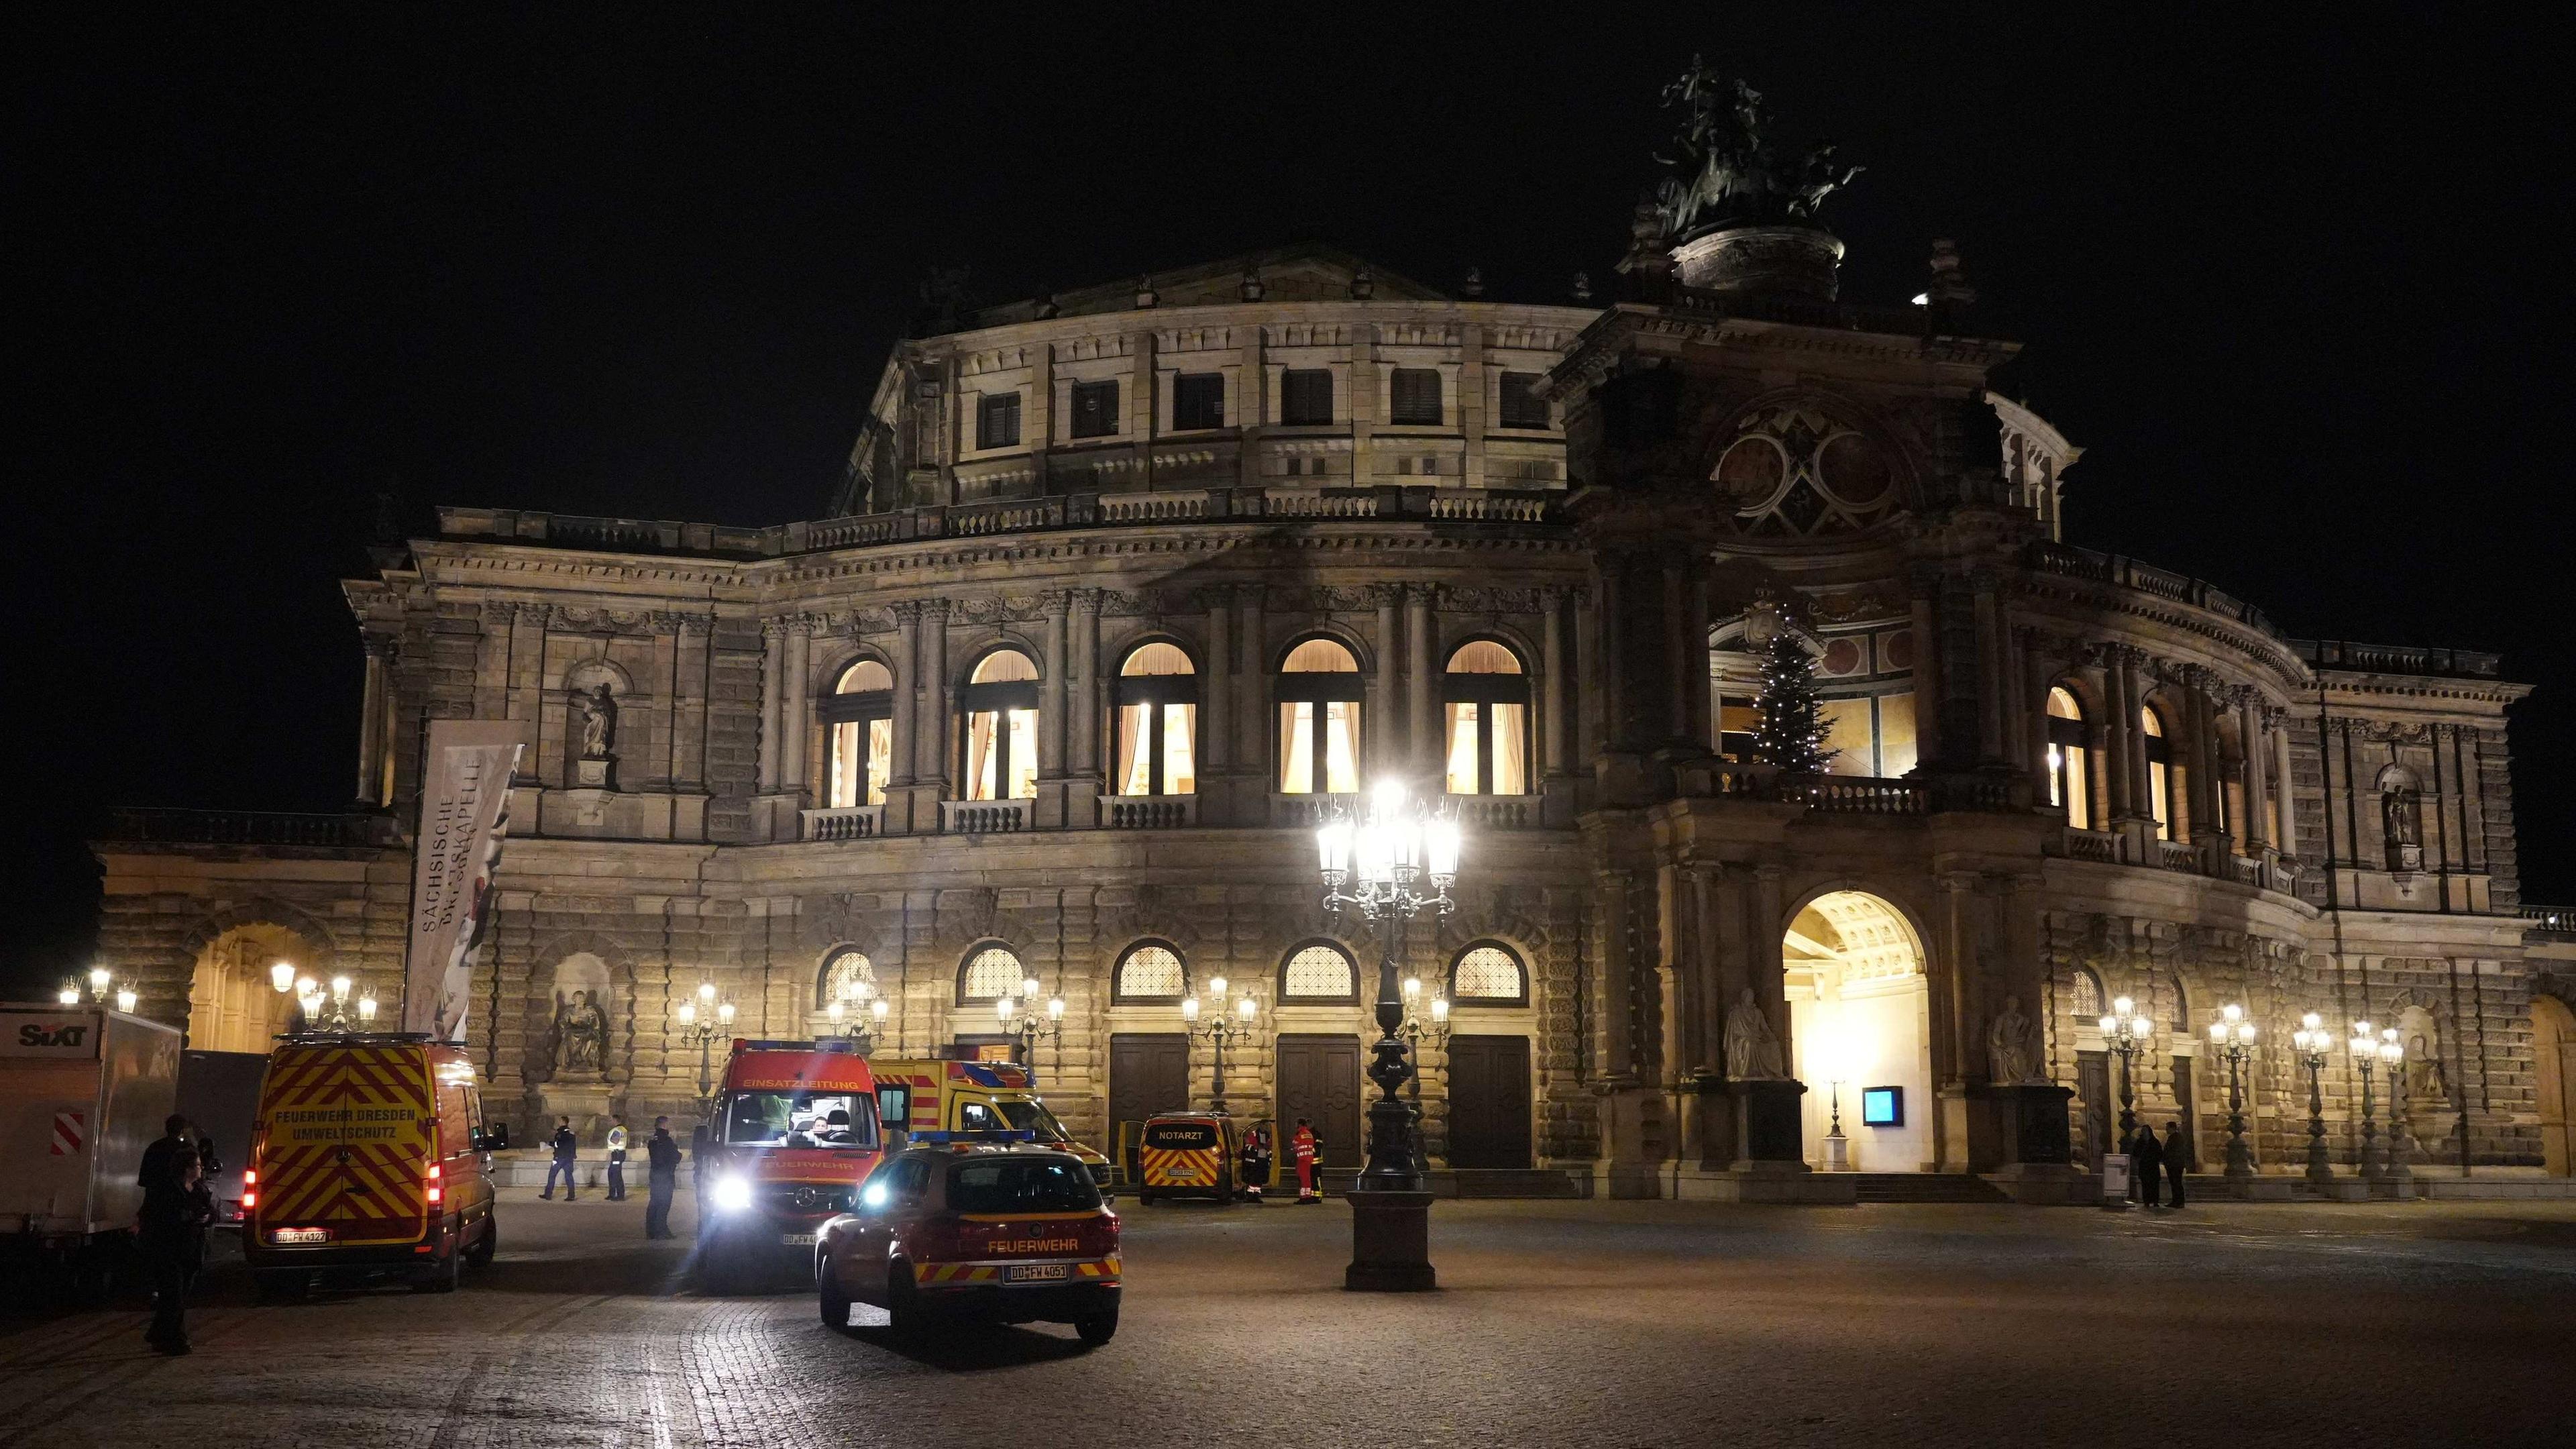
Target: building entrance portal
x: 233, y: 1004
x: 1860, y: 1027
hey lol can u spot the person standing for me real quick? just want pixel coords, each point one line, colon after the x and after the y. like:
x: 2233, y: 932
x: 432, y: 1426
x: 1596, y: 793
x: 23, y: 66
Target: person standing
x: 2147, y: 1161
x: 170, y: 1233
x: 617, y: 1161
x: 1305, y: 1149
x: 2177, y: 1159
x: 164, y: 1151
x: 564, y: 1146
x: 1255, y: 1172
x: 661, y: 1178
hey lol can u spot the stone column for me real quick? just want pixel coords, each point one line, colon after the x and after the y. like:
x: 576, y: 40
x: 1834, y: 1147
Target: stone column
x: 1216, y: 700
x: 1051, y: 688
x: 2037, y: 679
x: 1927, y: 672
x: 1085, y: 646
x: 371, y: 721
x: 1252, y: 721
x: 1552, y: 681
x: 2253, y: 746
x: 2196, y: 817
x: 2279, y: 727
x: 1382, y: 747
x: 930, y: 721
x: 1990, y: 668
x: 1678, y: 652
x: 795, y: 706
x: 2120, y: 676
x: 773, y: 674
x: 1587, y: 720
x: 1422, y: 706
x: 906, y: 702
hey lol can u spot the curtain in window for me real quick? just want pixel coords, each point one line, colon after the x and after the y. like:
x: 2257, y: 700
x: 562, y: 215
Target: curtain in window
x: 983, y: 753
x: 844, y: 790
x: 1135, y: 767
x: 1462, y: 749
x: 1511, y: 748
x: 880, y: 758
x: 1297, y: 748
x: 1342, y: 746
x: 1024, y: 754
x: 1180, y: 771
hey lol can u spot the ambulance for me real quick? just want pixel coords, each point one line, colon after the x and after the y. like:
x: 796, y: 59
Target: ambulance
x: 1188, y: 1154
x: 793, y: 1134
x: 960, y: 1096
x: 367, y: 1160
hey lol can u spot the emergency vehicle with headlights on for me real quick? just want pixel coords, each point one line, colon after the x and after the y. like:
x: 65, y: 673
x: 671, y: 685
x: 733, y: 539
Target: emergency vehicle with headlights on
x: 367, y: 1160
x: 792, y: 1135
x: 943, y: 1095
x: 975, y: 1228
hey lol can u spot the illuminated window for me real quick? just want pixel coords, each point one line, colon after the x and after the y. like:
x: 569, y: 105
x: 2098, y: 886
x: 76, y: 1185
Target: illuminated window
x: 1319, y: 972
x: 1488, y: 973
x: 1319, y: 720
x: 2160, y: 783
x: 1487, y: 695
x: 1151, y: 972
x: 2068, y: 788
x: 992, y: 973
x: 2088, y: 995
x: 848, y: 977
x: 859, y: 713
x: 1158, y: 707
x: 998, y: 719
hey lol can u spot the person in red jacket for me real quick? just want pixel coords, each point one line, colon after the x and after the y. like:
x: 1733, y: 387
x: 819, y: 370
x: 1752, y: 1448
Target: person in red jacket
x: 1254, y: 1173
x: 1307, y: 1151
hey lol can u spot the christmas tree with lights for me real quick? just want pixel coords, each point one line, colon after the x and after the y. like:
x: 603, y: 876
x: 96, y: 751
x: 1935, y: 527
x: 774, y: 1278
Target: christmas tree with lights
x: 1792, y: 730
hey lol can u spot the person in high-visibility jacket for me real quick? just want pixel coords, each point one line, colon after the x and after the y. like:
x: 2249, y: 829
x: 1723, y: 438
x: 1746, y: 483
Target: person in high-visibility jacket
x: 1255, y: 1172
x: 1307, y: 1151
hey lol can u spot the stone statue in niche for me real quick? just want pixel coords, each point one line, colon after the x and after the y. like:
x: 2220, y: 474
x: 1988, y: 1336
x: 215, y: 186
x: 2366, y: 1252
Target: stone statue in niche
x: 581, y: 1034
x: 2010, y: 1060
x: 1752, y: 1047
x: 2401, y: 820
x: 598, y: 710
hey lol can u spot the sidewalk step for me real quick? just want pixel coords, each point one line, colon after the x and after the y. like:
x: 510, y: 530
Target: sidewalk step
x: 1924, y: 1187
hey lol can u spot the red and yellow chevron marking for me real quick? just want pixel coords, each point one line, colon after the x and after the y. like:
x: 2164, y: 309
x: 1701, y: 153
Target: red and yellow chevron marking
x: 1159, y: 1162
x: 1104, y: 1270
x: 346, y: 1136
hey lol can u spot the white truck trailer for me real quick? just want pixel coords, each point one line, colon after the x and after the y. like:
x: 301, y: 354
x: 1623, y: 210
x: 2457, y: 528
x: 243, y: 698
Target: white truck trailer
x: 83, y: 1090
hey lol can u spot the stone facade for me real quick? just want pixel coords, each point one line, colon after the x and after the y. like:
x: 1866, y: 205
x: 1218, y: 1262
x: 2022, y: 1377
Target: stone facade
x: 1244, y: 457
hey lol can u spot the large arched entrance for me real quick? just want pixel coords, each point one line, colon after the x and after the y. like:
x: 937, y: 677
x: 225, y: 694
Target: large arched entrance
x: 233, y: 1005
x: 1860, y: 1024
x: 2553, y: 1040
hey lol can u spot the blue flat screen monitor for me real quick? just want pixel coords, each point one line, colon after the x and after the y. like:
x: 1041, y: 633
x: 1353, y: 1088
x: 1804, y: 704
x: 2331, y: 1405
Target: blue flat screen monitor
x: 1882, y: 1106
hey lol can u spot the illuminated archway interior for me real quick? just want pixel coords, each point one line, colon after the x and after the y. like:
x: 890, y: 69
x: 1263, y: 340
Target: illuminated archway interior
x: 231, y: 1005
x: 1859, y: 1017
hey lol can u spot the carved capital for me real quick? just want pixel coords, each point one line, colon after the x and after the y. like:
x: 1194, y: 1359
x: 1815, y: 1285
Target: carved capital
x: 907, y: 612
x: 1055, y: 602
x: 1085, y: 601
x: 1384, y: 596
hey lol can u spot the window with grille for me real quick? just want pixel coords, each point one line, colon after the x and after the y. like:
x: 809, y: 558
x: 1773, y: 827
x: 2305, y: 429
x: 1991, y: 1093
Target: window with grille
x: 1198, y: 401
x: 1415, y: 400
x: 1306, y: 397
x: 997, y: 420
x: 990, y: 975
x: 2088, y: 995
x: 1522, y: 406
x: 1151, y: 973
x: 1095, y: 409
x: 1489, y: 973
x: 1319, y: 973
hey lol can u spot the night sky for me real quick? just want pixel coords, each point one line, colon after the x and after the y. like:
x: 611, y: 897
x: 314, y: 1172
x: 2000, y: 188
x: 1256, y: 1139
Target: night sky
x: 2296, y: 288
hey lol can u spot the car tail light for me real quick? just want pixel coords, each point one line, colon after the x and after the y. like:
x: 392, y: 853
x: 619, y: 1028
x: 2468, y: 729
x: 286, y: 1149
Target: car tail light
x: 249, y: 1200
x: 250, y: 1175
x: 436, y: 1193
x: 942, y: 1239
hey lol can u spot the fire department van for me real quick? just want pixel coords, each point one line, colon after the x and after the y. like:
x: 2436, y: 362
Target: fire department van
x: 794, y: 1133
x: 959, y: 1096
x: 367, y: 1160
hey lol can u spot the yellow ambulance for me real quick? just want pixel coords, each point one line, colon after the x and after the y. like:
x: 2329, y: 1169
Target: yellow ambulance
x: 938, y: 1095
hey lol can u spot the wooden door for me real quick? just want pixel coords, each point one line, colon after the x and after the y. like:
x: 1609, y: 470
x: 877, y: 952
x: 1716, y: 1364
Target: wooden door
x: 2093, y: 1084
x: 1489, y: 1101
x: 1319, y: 1079
x: 2553, y: 1059
x: 2188, y: 1110
x: 1149, y: 1072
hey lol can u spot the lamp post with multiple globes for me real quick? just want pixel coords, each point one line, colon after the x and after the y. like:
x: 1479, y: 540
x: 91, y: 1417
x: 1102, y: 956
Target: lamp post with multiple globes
x: 857, y: 999
x: 702, y: 1019
x: 2314, y: 1043
x: 1220, y: 1031
x: 2364, y: 1047
x: 1019, y: 1018
x: 124, y: 995
x: 2232, y: 1037
x: 2401, y: 1147
x: 1392, y: 860
x: 2127, y: 1031
x: 342, y: 1007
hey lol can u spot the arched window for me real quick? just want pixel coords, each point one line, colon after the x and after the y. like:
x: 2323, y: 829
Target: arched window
x: 2182, y: 1010
x: 2067, y: 786
x: 997, y: 715
x: 1319, y: 971
x: 2089, y: 1001
x: 1319, y: 720
x: 1158, y: 710
x: 1488, y: 694
x: 992, y: 971
x: 1151, y: 971
x: 847, y: 977
x: 2160, y: 781
x: 859, y: 716
x: 1488, y: 973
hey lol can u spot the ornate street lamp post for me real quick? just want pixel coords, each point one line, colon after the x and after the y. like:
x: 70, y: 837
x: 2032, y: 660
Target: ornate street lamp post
x: 124, y: 995
x: 2127, y: 1031
x: 2364, y: 1047
x: 1395, y: 860
x: 1023, y: 1025
x: 336, y: 1009
x: 702, y: 1020
x: 2232, y: 1037
x: 840, y: 1009
x: 1413, y: 1031
x: 2401, y: 1145
x: 2314, y: 1042
x: 1220, y: 1032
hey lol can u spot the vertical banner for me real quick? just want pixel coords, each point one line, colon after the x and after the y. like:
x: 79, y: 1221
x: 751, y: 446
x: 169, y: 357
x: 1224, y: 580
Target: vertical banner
x: 464, y: 810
